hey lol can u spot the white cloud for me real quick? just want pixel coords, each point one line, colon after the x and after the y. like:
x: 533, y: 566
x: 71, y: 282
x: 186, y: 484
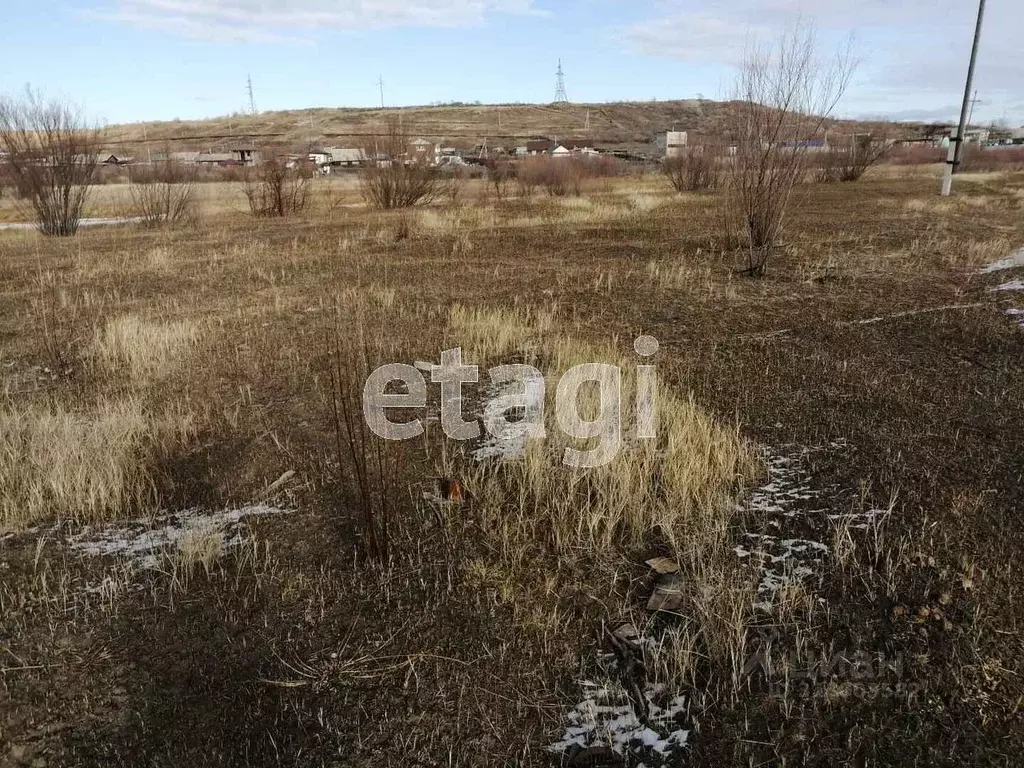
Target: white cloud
x: 912, y: 51
x: 697, y: 36
x: 294, y: 21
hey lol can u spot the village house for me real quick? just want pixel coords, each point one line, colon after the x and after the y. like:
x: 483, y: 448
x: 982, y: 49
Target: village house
x: 579, y: 147
x: 344, y: 157
x: 117, y: 160
x: 319, y: 157
x: 538, y: 146
x: 423, y: 151
x: 245, y: 156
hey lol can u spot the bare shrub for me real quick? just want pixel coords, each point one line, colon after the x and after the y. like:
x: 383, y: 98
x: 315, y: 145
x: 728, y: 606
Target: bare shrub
x: 164, y: 194
x: 367, y: 463
x: 274, y: 189
x: 784, y: 94
x: 915, y: 155
x: 557, y: 176
x: 52, y: 154
x: 850, y: 163
x: 56, y: 308
x: 455, y: 184
x: 981, y: 159
x: 500, y: 172
x: 694, y: 170
x: 391, y: 179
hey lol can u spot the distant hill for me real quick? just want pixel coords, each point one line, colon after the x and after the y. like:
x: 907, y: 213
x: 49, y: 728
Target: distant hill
x: 627, y: 125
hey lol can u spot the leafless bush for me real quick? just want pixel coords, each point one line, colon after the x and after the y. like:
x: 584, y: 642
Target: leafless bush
x: 500, y: 172
x: 784, y: 94
x: 51, y: 152
x: 390, y: 179
x: 273, y: 189
x: 164, y: 194
x: 557, y: 176
x: 367, y: 464
x: 978, y: 159
x: 560, y: 176
x: 851, y: 162
x: 915, y: 155
x: 455, y: 184
x: 695, y: 169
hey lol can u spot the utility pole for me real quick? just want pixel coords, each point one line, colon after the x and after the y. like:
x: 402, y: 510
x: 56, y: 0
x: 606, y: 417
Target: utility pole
x: 252, y: 99
x: 380, y: 82
x: 957, y: 146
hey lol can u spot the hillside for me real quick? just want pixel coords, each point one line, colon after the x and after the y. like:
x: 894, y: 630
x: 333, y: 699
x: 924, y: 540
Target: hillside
x: 624, y: 124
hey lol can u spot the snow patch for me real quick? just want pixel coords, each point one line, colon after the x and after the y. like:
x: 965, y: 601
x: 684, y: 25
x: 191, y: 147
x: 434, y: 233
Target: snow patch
x: 607, y: 718
x: 143, y: 541
x: 86, y: 222
x: 786, y: 496
x: 1010, y: 285
x: 1015, y: 259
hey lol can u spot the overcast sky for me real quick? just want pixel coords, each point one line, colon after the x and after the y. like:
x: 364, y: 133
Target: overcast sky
x: 159, y: 59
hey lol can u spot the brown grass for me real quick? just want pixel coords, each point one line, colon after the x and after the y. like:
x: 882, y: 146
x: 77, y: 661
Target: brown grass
x: 492, y: 607
x: 81, y: 465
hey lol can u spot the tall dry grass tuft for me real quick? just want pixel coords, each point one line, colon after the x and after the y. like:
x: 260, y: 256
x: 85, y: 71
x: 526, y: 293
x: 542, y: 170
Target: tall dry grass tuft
x: 490, y: 334
x: 144, y: 349
x: 678, y: 488
x: 675, y: 492
x: 85, y: 465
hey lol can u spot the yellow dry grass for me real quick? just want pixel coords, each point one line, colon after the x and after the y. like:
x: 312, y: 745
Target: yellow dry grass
x: 197, y: 548
x: 83, y: 465
x: 676, y: 490
x: 697, y: 462
x: 486, y: 334
x: 143, y: 349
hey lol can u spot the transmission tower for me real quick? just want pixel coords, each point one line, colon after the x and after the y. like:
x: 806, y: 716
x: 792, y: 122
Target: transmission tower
x: 252, y: 100
x: 560, y: 97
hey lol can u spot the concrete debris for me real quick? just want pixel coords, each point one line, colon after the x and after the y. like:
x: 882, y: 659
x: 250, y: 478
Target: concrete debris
x: 667, y: 594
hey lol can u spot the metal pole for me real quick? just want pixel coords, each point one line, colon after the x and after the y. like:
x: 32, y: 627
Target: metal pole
x: 958, y: 155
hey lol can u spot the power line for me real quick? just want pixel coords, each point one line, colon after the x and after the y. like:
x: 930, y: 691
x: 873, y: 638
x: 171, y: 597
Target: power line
x: 974, y: 102
x: 560, y: 97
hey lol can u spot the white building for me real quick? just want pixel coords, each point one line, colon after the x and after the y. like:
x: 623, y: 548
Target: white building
x: 674, y: 143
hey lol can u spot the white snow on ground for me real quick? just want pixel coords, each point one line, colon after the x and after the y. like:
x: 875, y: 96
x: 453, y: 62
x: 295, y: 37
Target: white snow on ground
x: 144, y: 541
x: 86, y: 222
x: 784, y: 563
x: 1018, y: 313
x: 607, y: 718
x: 1010, y: 285
x: 1015, y: 259
x: 784, y: 560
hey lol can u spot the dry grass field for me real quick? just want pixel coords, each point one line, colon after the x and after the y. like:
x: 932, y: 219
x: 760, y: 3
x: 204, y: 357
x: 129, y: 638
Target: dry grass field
x: 201, y: 564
